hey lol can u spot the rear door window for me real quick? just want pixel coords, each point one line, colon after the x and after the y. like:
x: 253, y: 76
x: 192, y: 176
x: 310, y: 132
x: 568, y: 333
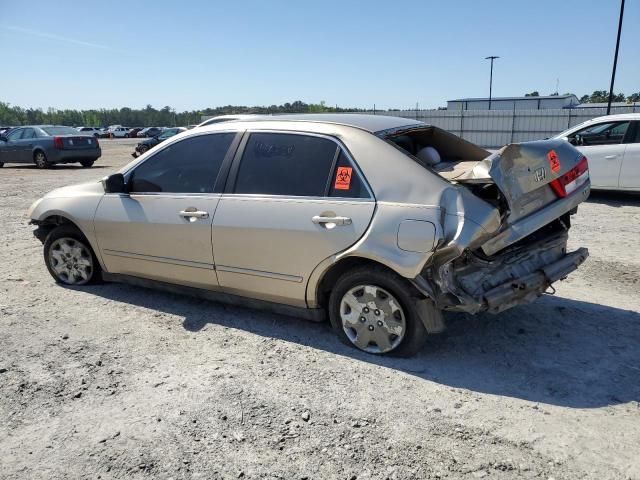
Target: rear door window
x: 28, y: 133
x: 636, y: 139
x: 190, y: 165
x: 286, y: 164
x: 346, y: 182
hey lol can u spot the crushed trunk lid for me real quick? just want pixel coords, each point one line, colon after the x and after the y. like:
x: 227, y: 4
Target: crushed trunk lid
x: 525, y: 172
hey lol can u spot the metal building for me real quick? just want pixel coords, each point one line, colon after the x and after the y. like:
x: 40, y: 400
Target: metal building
x: 515, y: 103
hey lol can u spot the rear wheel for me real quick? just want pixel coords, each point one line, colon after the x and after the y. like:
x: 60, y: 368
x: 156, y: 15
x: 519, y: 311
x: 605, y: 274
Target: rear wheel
x: 69, y: 257
x: 143, y: 148
x: 375, y: 311
x: 86, y: 163
x: 40, y: 159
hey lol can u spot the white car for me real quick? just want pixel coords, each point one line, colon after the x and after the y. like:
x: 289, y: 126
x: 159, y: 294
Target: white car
x: 229, y: 118
x: 118, y: 131
x: 612, y: 147
x: 95, y: 131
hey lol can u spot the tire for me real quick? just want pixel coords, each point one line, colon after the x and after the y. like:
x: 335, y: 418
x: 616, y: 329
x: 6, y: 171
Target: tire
x: 143, y: 149
x: 70, y: 258
x: 40, y: 159
x: 376, y: 292
x: 86, y: 163
x: 1, y: 164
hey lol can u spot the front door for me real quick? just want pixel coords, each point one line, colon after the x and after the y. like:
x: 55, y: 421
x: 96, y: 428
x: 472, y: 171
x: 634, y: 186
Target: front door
x: 10, y: 149
x: 161, y: 229
x: 630, y: 172
x: 291, y: 201
x: 603, y: 146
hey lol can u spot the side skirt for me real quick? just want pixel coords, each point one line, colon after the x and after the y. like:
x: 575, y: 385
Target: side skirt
x: 311, y: 314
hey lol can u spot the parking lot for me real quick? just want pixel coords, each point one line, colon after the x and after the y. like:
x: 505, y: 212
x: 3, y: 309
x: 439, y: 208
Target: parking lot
x: 114, y: 381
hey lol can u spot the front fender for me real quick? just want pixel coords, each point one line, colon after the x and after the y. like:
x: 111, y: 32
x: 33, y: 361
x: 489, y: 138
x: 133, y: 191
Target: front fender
x: 78, y: 209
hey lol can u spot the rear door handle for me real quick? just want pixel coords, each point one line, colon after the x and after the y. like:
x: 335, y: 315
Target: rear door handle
x: 610, y: 157
x: 192, y: 214
x: 318, y: 220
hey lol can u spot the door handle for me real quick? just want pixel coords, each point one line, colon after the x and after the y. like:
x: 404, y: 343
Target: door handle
x: 610, y: 157
x: 192, y: 214
x: 318, y: 220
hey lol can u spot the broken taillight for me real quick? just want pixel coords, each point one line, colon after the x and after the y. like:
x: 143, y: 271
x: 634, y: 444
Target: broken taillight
x: 570, y: 181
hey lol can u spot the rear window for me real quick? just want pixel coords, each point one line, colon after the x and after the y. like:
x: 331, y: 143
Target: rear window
x: 59, y: 131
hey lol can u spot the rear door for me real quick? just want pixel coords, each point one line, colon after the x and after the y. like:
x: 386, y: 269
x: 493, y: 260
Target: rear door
x: 630, y: 171
x: 291, y: 200
x: 603, y: 145
x: 161, y: 229
x: 24, y: 146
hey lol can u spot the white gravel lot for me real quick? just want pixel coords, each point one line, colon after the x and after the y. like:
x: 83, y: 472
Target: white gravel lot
x: 113, y: 381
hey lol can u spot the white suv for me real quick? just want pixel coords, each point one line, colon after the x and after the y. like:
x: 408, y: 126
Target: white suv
x: 117, y: 131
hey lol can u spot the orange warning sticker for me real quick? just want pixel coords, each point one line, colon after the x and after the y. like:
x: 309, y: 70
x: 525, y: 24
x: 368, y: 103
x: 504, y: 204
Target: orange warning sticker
x: 554, y: 161
x: 343, y: 178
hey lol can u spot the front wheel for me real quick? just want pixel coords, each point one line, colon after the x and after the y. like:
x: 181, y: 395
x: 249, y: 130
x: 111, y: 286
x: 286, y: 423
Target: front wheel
x: 40, y: 159
x: 86, y: 163
x: 375, y: 311
x: 69, y: 257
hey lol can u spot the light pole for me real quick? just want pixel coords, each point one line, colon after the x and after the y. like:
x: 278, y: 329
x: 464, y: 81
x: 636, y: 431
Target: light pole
x: 492, y: 58
x: 615, y: 57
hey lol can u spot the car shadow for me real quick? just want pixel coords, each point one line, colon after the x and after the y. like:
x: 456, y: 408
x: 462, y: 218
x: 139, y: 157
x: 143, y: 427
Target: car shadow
x: 28, y: 166
x: 556, y: 351
x: 614, y: 198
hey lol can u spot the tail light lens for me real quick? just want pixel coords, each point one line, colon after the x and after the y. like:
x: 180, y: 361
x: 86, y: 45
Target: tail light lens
x: 57, y: 142
x: 570, y: 181
x: 97, y: 143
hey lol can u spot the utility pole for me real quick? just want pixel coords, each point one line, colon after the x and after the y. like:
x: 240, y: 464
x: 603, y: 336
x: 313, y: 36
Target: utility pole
x: 615, y: 57
x: 492, y: 58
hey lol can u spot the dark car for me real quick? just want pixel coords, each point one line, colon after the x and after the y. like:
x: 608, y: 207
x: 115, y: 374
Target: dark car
x: 133, y: 132
x: 46, y: 145
x: 149, y: 143
x: 150, y: 132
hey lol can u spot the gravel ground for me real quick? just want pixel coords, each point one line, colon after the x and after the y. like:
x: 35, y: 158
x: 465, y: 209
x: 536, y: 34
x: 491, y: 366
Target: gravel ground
x: 112, y: 381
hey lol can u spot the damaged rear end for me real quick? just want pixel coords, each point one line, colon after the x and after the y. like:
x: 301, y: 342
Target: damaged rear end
x: 506, y: 243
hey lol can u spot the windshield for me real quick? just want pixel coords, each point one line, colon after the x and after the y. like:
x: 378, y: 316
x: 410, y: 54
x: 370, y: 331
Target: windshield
x: 59, y: 131
x: 168, y: 133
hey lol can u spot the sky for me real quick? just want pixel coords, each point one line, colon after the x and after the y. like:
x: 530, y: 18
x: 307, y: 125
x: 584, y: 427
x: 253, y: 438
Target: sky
x: 196, y: 54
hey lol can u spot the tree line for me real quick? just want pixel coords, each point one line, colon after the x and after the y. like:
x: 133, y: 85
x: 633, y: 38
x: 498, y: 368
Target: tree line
x: 598, y: 96
x: 146, y: 117
x: 167, y: 116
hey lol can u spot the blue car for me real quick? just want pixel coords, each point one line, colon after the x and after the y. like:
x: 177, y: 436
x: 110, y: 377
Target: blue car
x: 47, y: 145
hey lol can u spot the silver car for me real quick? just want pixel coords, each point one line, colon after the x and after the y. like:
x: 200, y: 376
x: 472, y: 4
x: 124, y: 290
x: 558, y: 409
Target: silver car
x: 379, y: 223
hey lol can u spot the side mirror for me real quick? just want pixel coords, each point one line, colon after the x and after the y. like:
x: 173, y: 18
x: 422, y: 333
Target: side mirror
x: 114, y: 183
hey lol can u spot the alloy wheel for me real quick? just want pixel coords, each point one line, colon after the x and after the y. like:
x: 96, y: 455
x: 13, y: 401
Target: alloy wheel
x: 41, y: 160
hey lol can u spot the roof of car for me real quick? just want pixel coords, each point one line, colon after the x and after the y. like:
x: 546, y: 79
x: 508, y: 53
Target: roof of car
x: 370, y: 123
x: 618, y: 116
